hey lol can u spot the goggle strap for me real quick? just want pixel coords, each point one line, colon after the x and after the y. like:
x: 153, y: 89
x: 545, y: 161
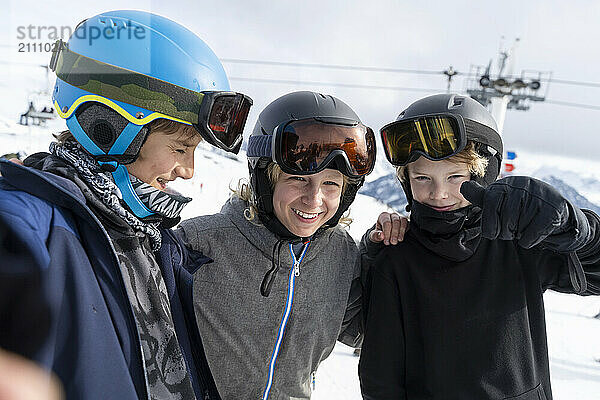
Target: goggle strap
x: 483, y: 134
x: 260, y: 146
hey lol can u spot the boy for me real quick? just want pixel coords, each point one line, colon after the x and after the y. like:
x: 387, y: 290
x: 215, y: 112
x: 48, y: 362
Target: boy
x: 456, y: 310
x: 94, y: 214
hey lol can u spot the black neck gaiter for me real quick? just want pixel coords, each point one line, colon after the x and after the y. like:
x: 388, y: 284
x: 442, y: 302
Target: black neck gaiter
x: 453, y: 235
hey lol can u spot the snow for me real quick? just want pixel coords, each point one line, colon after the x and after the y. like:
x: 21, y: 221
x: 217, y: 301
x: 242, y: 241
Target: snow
x: 573, y: 333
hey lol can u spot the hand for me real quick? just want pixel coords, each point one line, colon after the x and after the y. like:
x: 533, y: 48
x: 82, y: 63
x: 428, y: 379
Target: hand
x: 15, y: 160
x: 390, y: 228
x: 21, y: 379
x: 526, y: 210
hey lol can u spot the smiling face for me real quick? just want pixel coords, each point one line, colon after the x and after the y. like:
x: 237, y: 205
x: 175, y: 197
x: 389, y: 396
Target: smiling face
x: 303, y: 203
x: 437, y: 183
x: 165, y: 157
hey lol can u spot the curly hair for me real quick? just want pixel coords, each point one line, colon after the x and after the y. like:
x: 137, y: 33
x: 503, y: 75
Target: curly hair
x: 244, y: 192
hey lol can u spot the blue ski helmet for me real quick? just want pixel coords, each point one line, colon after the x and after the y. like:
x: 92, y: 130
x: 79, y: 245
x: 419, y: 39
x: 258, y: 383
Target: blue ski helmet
x: 121, y: 70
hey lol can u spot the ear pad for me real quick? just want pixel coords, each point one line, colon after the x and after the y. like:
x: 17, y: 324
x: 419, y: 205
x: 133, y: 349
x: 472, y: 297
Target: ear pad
x: 103, y: 125
x: 102, y: 133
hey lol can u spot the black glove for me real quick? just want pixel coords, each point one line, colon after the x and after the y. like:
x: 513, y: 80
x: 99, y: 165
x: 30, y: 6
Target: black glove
x: 529, y: 211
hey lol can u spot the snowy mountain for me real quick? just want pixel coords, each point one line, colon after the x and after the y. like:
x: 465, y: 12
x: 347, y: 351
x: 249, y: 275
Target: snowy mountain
x: 571, y: 194
x: 587, y: 186
x: 388, y: 190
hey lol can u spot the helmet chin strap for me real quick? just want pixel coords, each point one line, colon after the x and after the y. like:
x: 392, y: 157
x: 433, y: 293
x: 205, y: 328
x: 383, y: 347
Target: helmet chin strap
x: 130, y: 197
x: 118, y: 171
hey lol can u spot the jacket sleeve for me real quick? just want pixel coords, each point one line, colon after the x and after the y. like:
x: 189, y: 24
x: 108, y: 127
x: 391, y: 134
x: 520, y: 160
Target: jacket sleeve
x: 190, y: 231
x: 589, y: 255
x: 382, y: 361
x: 25, y: 313
x: 353, y: 323
x: 577, y: 271
x: 368, y: 251
x: 351, y: 333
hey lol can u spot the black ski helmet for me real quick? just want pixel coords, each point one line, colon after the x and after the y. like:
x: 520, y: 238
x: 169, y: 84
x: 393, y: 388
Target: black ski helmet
x: 480, y: 128
x: 291, y: 107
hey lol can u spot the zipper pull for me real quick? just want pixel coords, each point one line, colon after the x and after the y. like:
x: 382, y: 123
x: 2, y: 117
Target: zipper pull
x: 297, y: 267
x: 313, y: 379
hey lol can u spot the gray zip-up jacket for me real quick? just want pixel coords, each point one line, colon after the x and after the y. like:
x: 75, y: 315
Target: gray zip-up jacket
x: 268, y: 347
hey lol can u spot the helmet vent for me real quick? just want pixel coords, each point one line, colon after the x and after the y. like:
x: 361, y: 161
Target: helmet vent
x: 103, y: 132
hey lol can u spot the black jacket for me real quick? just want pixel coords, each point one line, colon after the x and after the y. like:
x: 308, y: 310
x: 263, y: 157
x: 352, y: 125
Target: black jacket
x: 474, y: 329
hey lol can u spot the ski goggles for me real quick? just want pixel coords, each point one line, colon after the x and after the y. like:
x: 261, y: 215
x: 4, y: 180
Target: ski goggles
x: 219, y: 116
x: 435, y: 137
x: 308, y: 146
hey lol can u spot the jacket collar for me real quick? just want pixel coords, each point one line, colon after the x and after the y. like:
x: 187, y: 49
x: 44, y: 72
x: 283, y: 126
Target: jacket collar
x: 44, y: 185
x: 454, y: 235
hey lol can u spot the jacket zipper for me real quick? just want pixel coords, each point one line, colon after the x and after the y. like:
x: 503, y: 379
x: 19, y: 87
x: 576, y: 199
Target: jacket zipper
x: 294, y: 272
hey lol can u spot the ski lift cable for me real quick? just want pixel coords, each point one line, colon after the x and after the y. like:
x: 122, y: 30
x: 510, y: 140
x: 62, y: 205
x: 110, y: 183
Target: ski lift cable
x: 379, y: 87
x: 334, y: 84
x: 359, y: 68
x: 331, y: 66
x: 23, y: 64
x: 569, y: 104
x: 354, y: 68
x: 387, y: 69
x: 577, y: 83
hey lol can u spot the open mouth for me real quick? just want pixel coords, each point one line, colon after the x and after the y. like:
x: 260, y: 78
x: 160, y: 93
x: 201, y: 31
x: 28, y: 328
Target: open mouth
x: 162, y: 183
x: 306, y: 216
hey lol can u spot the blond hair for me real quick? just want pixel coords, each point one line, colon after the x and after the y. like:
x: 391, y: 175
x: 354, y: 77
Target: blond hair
x: 476, y: 163
x: 244, y: 192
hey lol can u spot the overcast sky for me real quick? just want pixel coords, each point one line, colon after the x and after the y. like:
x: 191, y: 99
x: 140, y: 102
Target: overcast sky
x: 556, y: 36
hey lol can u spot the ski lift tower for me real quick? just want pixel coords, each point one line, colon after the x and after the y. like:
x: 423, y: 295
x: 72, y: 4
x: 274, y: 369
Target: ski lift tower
x: 505, y: 90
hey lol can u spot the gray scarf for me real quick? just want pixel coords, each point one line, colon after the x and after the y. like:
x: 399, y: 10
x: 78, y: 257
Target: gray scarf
x: 166, y: 372
x: 165, y: 203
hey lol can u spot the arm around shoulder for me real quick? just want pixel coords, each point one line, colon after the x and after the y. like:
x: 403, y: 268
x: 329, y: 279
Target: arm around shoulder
x: 197, y: 232
x: 351, y: 333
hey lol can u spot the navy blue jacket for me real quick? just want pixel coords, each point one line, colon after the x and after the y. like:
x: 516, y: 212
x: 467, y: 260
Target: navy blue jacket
x: 92, y: 342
